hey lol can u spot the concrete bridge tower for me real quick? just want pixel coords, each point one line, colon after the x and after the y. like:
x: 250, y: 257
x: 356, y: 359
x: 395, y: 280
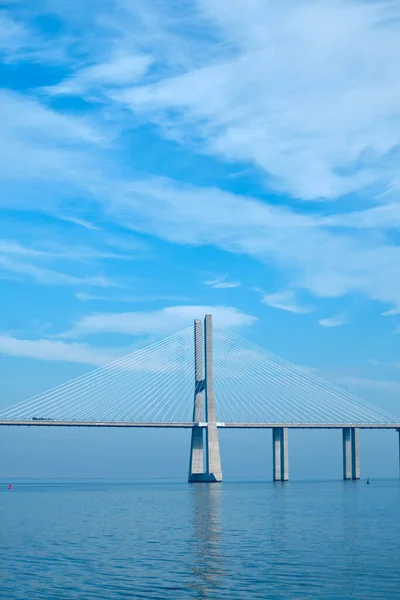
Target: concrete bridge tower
x: 204, y: 468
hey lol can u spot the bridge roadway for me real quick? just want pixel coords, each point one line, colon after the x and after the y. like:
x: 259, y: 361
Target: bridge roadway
x: 190, y: 425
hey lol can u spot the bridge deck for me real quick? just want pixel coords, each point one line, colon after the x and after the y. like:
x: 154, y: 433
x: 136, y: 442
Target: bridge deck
x: 189, y: 425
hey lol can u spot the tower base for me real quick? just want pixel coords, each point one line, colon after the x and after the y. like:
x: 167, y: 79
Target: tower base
x: 204, y: 478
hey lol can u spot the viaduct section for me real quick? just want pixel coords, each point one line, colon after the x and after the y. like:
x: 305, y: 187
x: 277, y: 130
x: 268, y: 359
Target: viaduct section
x: 205, y: 460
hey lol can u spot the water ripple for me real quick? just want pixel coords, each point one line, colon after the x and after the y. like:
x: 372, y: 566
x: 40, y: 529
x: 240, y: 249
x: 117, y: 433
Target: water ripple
x: 170, y: 540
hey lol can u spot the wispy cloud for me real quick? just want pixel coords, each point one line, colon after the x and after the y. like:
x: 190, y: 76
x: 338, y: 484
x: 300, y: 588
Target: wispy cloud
x: 78, y: 221
x: 384, y: 364
x: 84, y: 297
x: 324, y: 262
x: 222, y: 283
x: 248, y: 101
x: 51, y: 249
x: 159, y: 322
x: 120, y: 70
x: 337, y: 321
x: 327, y: 124
x: 57, y: 351
x: 13, y: 35
x: 384, y: 385
x: 46, y: 157
x: 384, y: 216
x: 21, y: 41
x: 286, y: 300
x: 26, y: 261
x: 49, y: 276
x: 392, y: 312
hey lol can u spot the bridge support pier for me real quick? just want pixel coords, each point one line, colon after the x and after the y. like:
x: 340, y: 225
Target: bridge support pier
x: 213, y: 471
x: 355, y: 453
x: 351, y: 453
x: 346, y: 453
x: 280, y: 454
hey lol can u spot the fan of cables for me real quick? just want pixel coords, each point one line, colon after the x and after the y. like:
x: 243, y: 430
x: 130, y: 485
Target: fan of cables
x: 156, y: 385
x: 255, y: 386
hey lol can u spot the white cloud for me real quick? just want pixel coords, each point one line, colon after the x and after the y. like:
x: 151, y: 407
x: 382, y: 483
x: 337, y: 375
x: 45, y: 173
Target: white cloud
x: 305, y: 91
x: 47, y: 276
x: 188, y: 214
x: 48, y: 252
x: 297, y: 100
x: 78, y: 221
x: 56, y: 350
x: 383, y: 385
x: 24, y: 118
x: 63, y: 157
x: 20, y: 41
x: 47, y: 158
x: 84, y: 297
x: 159, y: 322
x: 333, y: 321
x: 117, y: 71
x: 14, y: 248
x: 286, y: 300
x: 324, y: 261
x: 391, y: 312
x: 222, y: 283
x: 378, y: 217
x: 48, y: 249
x: 13, y: 35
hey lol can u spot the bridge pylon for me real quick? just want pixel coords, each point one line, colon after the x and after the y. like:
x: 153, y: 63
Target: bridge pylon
x: 205, y: 462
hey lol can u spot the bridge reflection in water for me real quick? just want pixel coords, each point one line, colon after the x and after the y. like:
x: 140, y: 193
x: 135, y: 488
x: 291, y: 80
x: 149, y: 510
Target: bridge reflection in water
x: 207, y: 559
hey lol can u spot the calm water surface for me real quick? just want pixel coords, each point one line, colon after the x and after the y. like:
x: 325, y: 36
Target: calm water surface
x: 172, y: 540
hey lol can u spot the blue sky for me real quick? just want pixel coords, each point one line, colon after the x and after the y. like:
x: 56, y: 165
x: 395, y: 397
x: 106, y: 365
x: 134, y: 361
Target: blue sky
x: 163, y: 159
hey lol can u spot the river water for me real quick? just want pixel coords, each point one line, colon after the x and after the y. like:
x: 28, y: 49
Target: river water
x: 171, y: 540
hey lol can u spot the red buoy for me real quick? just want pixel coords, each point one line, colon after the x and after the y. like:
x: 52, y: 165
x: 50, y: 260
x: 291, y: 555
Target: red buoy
x: 10, y: 486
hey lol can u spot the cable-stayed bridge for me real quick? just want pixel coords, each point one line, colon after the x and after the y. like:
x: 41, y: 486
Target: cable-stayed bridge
x: 205, y: 380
